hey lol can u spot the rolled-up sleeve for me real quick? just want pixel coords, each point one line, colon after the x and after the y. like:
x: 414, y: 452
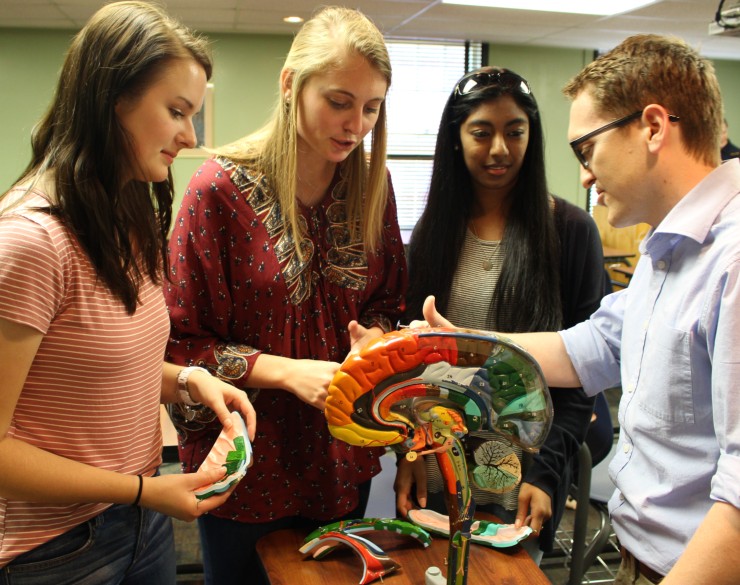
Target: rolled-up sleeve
x: 723, y: 333
x: 594, y: 345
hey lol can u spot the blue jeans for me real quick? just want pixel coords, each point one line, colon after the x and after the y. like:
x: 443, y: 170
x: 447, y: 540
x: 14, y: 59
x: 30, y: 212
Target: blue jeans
x: 123, y: 545
x: 229, y: 546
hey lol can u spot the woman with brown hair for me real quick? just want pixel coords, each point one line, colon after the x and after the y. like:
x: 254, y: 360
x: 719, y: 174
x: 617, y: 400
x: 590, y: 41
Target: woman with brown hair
x: 83, y: 323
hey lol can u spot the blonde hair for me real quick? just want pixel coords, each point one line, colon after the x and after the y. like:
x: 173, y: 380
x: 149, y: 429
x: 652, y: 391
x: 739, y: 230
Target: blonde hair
x: 664, y: 70
x: 322, y: 43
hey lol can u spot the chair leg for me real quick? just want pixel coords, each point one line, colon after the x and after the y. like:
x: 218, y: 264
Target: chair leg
x: 596, y: 546
x: 580, y: 524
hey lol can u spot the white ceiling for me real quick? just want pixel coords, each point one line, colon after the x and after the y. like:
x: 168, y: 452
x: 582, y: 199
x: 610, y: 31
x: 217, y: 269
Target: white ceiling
x: 427, y: 19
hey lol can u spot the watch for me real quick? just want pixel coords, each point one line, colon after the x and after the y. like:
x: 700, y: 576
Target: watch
x: 183, y: 392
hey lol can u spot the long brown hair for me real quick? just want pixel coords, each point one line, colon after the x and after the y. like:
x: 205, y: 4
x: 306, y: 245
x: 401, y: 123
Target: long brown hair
x: 81, y: 146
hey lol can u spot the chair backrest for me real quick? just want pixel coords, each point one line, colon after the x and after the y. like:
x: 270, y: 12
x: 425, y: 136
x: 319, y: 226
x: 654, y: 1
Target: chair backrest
x: 600, y: 436
x: 593, y: 490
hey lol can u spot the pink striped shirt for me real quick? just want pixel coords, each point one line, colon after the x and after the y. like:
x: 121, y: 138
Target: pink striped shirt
x: 93, y: 391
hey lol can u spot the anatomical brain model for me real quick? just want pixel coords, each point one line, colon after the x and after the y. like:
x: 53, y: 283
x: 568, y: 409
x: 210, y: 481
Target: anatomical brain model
x: 422, y: 391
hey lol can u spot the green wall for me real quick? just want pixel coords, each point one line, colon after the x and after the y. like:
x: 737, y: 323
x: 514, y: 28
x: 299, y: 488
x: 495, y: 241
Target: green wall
x: 728, y: 73
x: 245, y: 80
x: 29, y: 64
x: 547, y: 71
x: 246, y: 83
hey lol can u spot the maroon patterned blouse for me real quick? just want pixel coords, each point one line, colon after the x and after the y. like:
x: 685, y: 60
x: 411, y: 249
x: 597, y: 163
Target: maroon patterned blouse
x: 238, y: 288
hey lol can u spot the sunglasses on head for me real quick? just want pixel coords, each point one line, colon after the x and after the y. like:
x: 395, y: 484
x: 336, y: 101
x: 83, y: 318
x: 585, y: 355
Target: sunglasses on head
x: 478, y: 80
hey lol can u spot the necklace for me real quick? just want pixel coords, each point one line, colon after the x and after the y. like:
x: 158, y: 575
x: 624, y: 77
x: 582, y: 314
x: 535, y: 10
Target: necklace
x: 488, y: 262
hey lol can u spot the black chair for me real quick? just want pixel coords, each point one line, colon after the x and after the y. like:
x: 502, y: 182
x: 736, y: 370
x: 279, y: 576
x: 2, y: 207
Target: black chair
x: 584, y: 552
x: 594, y: 488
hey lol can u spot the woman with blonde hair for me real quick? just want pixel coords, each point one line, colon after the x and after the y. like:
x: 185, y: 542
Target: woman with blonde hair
x: 286, y: 255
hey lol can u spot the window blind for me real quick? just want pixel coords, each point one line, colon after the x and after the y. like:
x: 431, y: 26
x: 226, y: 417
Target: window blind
x: 424, y: 74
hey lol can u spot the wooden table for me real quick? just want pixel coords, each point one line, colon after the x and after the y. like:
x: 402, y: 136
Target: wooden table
x: 614, y: 255
x: 284, y: 565
x: 627, y: 271
x: 624, y: 272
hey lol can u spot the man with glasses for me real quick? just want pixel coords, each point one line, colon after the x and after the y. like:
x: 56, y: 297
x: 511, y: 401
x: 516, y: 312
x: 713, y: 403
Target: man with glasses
x: 645, y: 125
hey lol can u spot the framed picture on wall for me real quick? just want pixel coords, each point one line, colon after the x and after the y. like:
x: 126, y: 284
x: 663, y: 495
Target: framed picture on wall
x: 203, y: 123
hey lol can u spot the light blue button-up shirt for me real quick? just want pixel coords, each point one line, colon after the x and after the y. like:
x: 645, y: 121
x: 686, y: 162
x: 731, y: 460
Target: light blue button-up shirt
x: 672, y: 339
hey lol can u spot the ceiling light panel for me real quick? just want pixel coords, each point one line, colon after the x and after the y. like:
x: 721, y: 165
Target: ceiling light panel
x: 602, y: 8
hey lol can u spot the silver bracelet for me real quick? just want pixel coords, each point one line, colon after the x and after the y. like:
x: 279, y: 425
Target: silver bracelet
x: 183, y: 391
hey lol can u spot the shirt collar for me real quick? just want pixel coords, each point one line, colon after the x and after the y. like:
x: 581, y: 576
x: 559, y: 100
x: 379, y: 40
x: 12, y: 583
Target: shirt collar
x: 695, y: 214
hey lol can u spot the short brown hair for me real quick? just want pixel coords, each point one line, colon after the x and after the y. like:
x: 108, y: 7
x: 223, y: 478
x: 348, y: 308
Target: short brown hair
x: 648, y: 68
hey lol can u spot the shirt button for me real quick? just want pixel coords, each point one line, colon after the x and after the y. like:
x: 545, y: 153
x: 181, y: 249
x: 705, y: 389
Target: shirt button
x: 630, y: 388
x: 661, y: 264
x: 627, y: 448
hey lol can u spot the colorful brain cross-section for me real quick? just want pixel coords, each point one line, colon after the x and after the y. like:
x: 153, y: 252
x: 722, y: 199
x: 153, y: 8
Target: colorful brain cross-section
x: 387, y: 393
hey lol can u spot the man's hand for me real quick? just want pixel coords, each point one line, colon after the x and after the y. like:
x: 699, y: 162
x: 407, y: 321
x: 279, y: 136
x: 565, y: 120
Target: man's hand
x: 433, y: 318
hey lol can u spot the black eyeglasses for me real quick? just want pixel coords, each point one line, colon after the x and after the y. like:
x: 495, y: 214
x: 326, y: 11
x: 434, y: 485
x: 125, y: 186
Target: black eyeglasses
x: 482, y: 79
x: 576, y: 144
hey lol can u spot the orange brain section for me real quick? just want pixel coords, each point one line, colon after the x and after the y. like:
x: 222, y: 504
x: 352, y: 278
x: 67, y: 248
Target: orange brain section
x: 391, y: 355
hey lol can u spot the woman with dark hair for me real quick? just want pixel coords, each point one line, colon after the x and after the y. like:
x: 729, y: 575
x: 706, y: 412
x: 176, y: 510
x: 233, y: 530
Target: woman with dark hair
x: 83, y: 323
x: 499, y: 252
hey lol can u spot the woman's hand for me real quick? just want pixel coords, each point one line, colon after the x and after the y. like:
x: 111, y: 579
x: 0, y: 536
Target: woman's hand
x: 174, y: 494
x: 305, y: 378
x: 535, y: 508
x: 222, y: 398
x: 408, y: 474
x: 309, y: 380
x: 360, y: 336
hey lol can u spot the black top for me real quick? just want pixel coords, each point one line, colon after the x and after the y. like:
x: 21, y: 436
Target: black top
x: 729, y: 151
x: 583, y: 283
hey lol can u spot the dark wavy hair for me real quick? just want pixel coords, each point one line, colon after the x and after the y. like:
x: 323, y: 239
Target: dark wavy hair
x: 122, y: 224
x: 527, y: 294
